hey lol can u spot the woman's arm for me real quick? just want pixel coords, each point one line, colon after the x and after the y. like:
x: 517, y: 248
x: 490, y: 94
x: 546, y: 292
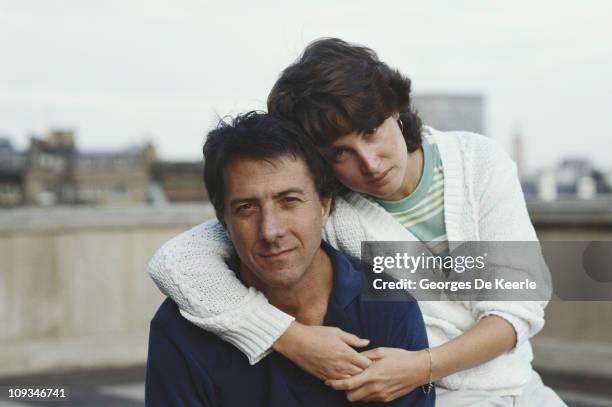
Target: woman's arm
x: 324, y: 352
x: 191, y: 270
x: 503, y: 218
x: 500, y: 326
x: 489, y: 338
x: 398, y: 371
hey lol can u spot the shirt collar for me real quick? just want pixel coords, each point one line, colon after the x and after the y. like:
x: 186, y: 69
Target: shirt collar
x: 347, y: 278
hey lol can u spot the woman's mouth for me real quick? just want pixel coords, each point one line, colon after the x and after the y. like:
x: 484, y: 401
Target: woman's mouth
x: 382, y: 178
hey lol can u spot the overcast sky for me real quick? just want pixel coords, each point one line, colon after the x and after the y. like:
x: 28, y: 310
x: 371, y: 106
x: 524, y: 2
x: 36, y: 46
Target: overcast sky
x: 119, y: 72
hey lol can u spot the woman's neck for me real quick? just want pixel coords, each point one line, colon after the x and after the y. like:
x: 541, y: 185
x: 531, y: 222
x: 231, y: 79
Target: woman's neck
x: 414, y: 172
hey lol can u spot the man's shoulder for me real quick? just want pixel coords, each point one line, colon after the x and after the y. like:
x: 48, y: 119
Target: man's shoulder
x: 355, y: 263
x: 169, y: 322
x: 167, y: 314
x: 366, y: 277
x: 367, y: 281
x: 384, y: 288
x: 343, y: 262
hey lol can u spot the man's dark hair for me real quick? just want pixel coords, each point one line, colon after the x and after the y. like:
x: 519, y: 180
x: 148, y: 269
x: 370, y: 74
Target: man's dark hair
x: 261, y: 136
x: 335, y: 88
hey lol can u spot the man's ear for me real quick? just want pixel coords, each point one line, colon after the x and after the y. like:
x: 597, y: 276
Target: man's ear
x: 221, y: 219
x: 326, y: 204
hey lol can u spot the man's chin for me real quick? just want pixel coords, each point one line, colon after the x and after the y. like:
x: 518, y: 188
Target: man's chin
x: 279, y: 278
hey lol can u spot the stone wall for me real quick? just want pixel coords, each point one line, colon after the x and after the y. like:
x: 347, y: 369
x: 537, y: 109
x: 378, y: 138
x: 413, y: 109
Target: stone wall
x: 577, y: 337
x: 74, y: 292
x: 73, y: 288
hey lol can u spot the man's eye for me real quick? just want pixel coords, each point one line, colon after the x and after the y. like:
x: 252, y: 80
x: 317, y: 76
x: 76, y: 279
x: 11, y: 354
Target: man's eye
x: 244, y: 207
x: 291, y: 199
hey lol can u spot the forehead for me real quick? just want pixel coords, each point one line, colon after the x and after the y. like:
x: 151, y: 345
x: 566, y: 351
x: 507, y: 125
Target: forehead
x: 254, y: 177
x: 345, y: 140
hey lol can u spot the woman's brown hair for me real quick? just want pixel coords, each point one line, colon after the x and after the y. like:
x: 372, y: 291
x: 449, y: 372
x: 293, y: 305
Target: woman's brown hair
x: 335, y: 88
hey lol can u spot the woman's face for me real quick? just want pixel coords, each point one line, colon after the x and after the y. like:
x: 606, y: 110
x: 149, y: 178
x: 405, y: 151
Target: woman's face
x: 374, y: 163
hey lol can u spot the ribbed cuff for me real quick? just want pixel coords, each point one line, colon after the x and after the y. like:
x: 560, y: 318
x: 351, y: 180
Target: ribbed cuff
x: 256, y: 332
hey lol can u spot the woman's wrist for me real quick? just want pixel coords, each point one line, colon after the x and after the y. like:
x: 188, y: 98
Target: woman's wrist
x: 424, y: 362
x: 287, y: 339
x: 428, y: 384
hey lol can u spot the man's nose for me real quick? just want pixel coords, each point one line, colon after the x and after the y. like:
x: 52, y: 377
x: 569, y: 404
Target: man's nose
x: 273, y: 225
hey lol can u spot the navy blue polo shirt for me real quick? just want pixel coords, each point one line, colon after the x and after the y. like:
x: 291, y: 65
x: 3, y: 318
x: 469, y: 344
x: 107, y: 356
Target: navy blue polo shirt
x: 188, y: 366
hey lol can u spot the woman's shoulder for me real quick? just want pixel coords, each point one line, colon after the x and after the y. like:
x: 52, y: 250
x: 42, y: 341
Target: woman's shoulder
x: 465, y: 140
x: 475, y: 150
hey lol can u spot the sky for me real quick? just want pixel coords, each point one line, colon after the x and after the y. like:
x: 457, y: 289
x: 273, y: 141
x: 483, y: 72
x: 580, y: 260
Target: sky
x: 120, y: 73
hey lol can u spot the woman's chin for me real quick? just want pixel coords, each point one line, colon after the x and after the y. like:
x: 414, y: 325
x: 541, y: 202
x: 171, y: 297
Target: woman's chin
x: 385, y: 193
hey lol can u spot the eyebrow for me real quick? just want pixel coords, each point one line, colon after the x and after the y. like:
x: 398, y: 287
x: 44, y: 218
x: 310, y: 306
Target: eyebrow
x: 280, y: 194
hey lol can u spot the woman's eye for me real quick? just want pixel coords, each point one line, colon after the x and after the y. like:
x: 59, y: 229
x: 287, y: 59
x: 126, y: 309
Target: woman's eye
x: 371, y: 133
x: 339, y: 155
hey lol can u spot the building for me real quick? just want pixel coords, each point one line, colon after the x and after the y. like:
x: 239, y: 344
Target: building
x: 52, y: 171
x: 571, y: 178
x: 111, y: 177
x: 451, y: 111
x: 178, y: 181
x: 49, y: 172
x: 12, y: 167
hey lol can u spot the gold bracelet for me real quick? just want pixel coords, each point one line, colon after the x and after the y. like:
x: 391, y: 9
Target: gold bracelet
x: 427, y: 387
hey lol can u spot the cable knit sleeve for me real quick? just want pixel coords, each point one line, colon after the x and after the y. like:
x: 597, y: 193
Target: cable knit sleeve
x: 502, y: 216
x: 191, y: 270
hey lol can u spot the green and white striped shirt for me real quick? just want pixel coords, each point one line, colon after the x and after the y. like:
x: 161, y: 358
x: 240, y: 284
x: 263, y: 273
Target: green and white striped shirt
x: 422, y: 212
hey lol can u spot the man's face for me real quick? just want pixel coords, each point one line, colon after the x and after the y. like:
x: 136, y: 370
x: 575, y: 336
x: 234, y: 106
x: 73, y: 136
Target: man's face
x: 274, y: 216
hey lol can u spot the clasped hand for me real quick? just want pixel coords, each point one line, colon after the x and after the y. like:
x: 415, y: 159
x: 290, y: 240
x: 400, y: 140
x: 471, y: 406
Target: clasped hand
x: 393, y: 373
x: 381, y: 374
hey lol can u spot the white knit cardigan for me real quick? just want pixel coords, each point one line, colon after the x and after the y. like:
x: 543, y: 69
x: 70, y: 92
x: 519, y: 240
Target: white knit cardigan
x: 482, y: 201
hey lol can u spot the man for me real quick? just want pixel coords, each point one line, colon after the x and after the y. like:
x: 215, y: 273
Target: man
x: 272, y: 192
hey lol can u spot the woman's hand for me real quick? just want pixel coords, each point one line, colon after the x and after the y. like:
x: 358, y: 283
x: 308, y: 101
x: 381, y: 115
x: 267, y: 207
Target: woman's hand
x: 324, y: 352
x: 394, y: 373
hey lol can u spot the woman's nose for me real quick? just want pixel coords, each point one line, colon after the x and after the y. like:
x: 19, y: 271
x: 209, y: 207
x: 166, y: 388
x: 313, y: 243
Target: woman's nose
x: 370, y: 161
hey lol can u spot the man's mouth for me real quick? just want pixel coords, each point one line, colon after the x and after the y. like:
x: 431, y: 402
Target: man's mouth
x: 275, y: 254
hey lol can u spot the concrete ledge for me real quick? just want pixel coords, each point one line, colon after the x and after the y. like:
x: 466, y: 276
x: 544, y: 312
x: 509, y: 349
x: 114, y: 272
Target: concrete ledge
x: 58, y: 219
x: 69, y: 354
x: 573, y: 356
x: 568, y: 213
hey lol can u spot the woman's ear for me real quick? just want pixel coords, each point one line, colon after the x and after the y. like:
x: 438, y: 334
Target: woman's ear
x: 395, y: 115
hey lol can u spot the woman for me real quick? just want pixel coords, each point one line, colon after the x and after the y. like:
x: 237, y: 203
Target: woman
x: 409, y: 183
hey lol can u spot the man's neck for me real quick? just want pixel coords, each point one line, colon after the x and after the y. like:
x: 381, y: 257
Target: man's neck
x: 308, y: 298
